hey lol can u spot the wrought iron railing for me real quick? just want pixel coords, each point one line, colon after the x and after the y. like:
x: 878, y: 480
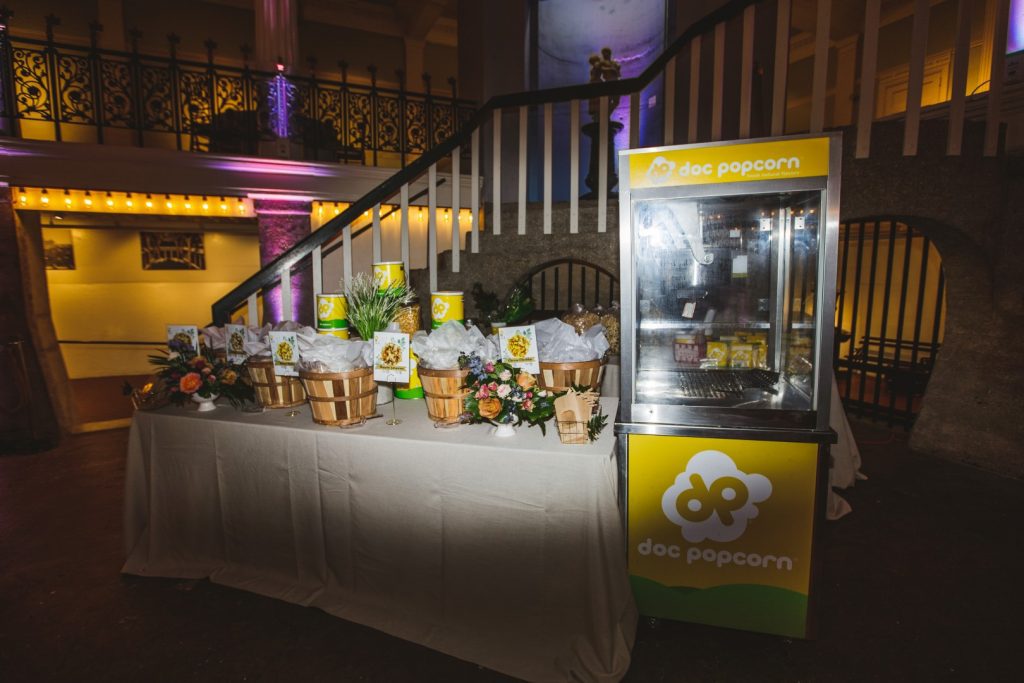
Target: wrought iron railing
x: 60, y: 91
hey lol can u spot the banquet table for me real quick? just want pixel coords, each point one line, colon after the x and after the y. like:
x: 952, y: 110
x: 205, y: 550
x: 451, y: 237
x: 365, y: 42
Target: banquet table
x: 504, y: 552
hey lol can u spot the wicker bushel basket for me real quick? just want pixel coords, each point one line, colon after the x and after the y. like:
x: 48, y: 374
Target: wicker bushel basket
x: 561, y: 376
x: 444, y: 393
x: 341, y: 399
x: 273, y: 391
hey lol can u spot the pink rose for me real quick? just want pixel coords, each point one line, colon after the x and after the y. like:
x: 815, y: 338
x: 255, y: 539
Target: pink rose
x: 504, y: 390
x: 527, y: 404
x: 493, y: 386
x: 489, y: 367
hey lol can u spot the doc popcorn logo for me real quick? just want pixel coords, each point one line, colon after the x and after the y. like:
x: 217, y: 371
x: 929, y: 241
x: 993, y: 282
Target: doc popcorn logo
x: 712, y: 499
x: 660, y: 170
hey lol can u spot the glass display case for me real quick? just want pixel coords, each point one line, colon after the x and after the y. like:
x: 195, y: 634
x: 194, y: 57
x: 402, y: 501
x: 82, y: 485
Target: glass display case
x: 726, y: 318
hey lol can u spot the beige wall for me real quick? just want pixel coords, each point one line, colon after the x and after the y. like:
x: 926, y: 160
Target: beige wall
x: 109, y: 296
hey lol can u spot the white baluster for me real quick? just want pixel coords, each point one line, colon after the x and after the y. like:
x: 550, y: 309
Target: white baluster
x: 670, y: 102
x: 915, y: 81
x: 781, y: 67
x: 547, y: 168
x: 376, y: 230
x: 253, y: 310
x: 869, y: 66
x: 474, y: 193
x: 718, y: 83
x: 746, y: 70
x: 574, y: 166
x: 316, y: 259
x: 287, y: 312
x: 961, y: 59
x: 995, y: 88
x: 403, y: 208
x: 346, y: 254
x: 819, y: 79
x: 691, y: 133
x: 432, y: 225
x: 602, y: 168
x: 521, y: 214
x: 456, y: 192
x: 496, y: 175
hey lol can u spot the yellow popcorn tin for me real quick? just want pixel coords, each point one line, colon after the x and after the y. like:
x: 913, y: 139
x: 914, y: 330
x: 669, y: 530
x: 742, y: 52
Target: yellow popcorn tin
x: 340, y: 334
x: 331, y: 312
x: 445, y: 306
x: 387, y: 273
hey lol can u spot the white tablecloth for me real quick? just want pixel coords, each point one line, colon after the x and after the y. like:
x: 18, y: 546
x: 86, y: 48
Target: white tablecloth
x: 504, y: 552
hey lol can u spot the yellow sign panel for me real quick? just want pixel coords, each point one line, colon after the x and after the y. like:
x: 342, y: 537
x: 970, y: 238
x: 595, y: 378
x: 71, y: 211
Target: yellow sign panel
x: 742, y: 162
x: 720, y: 530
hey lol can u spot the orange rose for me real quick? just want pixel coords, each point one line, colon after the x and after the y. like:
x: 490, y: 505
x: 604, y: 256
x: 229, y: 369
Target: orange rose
x: 229, y: 377
x: 489, y: 408
x: 526, y: 380
x: 190, y: 383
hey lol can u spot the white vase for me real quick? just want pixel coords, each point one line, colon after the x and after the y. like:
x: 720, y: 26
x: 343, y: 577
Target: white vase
x: 504, y: 430
x: 206, y: 403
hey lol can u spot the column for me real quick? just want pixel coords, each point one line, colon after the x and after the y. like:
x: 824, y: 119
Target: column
x: 282, y: 223
x: 28, y: 421
x: 277, y: 33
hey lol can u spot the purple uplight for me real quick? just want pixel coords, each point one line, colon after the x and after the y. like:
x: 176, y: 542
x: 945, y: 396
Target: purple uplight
x: 279, y: 103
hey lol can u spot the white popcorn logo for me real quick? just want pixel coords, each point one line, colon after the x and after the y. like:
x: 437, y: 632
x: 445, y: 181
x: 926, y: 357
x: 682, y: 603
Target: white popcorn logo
x: 714, y: 499
x: 660, y: 170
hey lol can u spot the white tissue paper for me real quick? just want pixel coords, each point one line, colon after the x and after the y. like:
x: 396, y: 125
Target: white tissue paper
x: 557, y: 342
x: 327, y: 353
x: 217, y: 338
x: 258, y: 343
x: 440, y: 349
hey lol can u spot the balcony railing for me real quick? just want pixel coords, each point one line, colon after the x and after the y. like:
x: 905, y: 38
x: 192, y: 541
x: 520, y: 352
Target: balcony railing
x: 56, y: 91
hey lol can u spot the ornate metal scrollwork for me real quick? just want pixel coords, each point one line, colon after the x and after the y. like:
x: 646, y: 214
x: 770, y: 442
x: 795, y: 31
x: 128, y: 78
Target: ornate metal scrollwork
x: 74, y: 78
x: 415, y: 127
x: 117, y: 101
x: 157, y: 107
x: 196, y: 99
x: 31, y: 84
x: 388, y: 124
x: 359, y: 109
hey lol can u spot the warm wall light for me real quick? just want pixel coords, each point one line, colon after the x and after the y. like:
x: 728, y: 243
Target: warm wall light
x: 103, y: 201
x: 128, y: 200
x: 88, y: 199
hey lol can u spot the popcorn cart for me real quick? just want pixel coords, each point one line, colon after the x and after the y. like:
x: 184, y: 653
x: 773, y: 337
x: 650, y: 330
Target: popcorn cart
x: 728, y: 272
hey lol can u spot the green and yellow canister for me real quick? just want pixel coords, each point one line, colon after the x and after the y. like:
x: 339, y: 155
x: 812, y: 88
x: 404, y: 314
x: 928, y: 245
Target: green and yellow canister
x: 388, y: 273
x: 445, y: 307
x: 331, y: 312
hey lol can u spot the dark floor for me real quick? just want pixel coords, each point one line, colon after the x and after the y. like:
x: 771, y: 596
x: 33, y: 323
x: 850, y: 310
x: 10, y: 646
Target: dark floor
x: 922, y: 583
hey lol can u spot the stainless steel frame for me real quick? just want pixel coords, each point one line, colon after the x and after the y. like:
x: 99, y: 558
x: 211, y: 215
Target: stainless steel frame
x: 781, y: 422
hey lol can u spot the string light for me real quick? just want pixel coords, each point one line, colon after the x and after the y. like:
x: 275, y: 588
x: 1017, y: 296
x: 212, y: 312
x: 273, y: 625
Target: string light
x: 88, y: 199
x: 206, y: 204
x: 23, y: 198
x: 169, y: 204
x: 188, y: 204
x: 128, y: 200
x: 149, y: 201
x: 223, y: 205
x: 45, y: 198
x: 67, y: 199
x: 110, y: 200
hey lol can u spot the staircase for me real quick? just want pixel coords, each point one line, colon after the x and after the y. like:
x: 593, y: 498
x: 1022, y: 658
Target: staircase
x: 693, y: 112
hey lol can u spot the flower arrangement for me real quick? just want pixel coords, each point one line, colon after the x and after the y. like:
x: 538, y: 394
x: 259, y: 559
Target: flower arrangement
x: 184, y: 373
x: 502, y: 394
x: 371, y: 308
